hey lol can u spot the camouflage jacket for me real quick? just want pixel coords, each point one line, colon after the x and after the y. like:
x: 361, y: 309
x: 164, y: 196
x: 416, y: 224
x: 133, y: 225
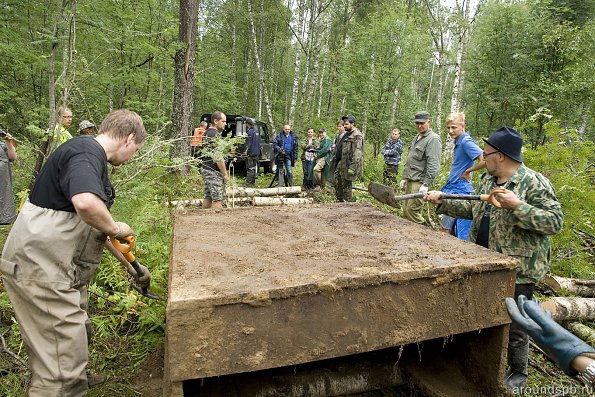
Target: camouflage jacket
x: 522, y: 233
x: 352, y: 156
x: 392, y: 151
x: 423, y: 159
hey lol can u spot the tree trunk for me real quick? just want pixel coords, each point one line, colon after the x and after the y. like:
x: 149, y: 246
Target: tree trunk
x: 182, y: 103
x: 297, y: 67
x: 575, y: 287
x: 564, y: 309
x: 263, y: 86
x: 63, y: 20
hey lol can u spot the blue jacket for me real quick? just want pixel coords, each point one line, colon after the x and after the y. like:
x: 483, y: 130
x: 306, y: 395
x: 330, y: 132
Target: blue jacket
x: 252, y: 143
x: 278, y: 146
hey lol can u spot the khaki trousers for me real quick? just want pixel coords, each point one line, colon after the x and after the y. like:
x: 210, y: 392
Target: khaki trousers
x: 318, y: 169
x: 413, y: 209
x: 47, y: 261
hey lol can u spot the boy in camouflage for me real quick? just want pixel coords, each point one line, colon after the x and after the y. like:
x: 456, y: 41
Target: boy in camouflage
x: 529, y: 214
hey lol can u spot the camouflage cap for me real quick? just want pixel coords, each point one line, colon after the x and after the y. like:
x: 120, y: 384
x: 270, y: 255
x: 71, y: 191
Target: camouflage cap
x: 422, y: 117
x: 84, y: 125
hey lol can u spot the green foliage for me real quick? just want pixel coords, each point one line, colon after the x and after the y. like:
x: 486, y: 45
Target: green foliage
x: 566, y: 159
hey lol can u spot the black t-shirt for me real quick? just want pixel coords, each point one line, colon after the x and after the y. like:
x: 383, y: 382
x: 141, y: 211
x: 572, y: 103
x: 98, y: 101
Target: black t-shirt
x: 77, y: 166
x: 209, y: 145
x: 483, y: 233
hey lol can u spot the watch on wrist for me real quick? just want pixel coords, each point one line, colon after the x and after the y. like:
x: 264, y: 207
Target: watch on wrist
x: 588, y: 375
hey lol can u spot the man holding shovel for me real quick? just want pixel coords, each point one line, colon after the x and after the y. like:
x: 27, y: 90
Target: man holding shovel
x: 54, y: 247
x: 528, y: 214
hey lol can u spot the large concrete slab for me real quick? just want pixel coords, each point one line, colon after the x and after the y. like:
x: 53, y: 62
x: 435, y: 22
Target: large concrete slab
x: 258, y: 288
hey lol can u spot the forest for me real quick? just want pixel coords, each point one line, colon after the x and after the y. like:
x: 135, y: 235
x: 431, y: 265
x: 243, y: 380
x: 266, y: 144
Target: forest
x: 527, y: 64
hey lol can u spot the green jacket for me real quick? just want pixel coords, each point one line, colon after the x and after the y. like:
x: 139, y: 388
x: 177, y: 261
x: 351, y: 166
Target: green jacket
x: 324, y: 149
x: 522, y: 233
x: 423, y: 159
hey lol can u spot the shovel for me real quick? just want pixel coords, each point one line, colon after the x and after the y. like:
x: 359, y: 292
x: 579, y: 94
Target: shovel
x: 386, y: 194
x: 125, y: 246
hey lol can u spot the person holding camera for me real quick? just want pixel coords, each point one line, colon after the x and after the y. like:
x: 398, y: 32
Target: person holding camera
x: 285, y: 146
x: 8, y: 153
x: 308, y: 146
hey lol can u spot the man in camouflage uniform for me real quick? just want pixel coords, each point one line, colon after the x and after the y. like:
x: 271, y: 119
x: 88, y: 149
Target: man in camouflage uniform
x: 530, y: 213
x: 348, y: 160
x: 421, y: 168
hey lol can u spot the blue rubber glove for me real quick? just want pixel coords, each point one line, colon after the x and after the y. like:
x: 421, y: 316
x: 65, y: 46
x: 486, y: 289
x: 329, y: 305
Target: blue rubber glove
x: 558, y: 343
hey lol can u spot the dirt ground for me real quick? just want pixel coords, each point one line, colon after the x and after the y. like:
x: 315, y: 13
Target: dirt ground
x: 255, y: 255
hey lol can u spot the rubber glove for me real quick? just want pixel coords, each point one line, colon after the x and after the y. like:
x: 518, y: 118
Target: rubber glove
x: 123, y: 230
x: 558, y: 343
x: 423, y: 189
x: 402, y: 184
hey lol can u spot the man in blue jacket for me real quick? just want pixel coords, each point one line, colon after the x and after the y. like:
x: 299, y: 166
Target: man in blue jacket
x: 253, y: 152
x: 286, y: 149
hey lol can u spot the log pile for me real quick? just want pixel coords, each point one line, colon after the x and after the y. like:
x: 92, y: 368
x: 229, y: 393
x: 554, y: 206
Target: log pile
x: 239, y: 196
x: 571, y: 310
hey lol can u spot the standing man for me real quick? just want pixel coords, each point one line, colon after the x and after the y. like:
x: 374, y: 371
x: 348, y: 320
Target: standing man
x: 423, y: 162
x: 63, y: 121
x: 393, y: 149
x: 308, y: 147
x: 252, y: 152
x: 529, y: 214
x: 466, y: 152
x: 212, y: 166
x: 348, y: 160
x: 285, y: 146
x: 322, y: 158
x: 8, y: 154
x: 55, y: 246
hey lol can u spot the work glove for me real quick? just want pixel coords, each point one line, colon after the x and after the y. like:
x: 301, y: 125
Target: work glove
x: 423, y: 189
x: 402, y: 184
x: 558, y: 343
x: 143, y: 281
x: 123, y: 230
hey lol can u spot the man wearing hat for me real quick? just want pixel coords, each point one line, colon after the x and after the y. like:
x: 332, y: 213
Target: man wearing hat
x: 348, y: 160
x: 421, y: 168
x: 85, y: 128
x: 529, y: 214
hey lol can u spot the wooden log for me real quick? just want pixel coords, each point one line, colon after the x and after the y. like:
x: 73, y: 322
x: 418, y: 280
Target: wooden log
x: 576, y: 287
x: 264, y: 192
x: 582, y: 331
x: 240, y: 201
x: 266, y: 201
x: 565, y: 309
x: 183, y: 203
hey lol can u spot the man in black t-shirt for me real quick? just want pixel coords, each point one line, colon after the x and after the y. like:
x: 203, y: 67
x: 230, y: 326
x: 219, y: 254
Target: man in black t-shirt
x: 212, y: 166
x: 54, y: 247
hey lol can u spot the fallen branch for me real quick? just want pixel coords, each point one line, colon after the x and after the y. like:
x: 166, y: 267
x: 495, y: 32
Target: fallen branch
x: 574, y: 286
x: 6, y: 350
x: 564, y: 309
x: 179, y: 204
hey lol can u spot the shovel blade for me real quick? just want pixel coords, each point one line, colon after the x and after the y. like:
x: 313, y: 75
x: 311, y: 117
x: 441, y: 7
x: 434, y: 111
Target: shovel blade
x: 384, y: 194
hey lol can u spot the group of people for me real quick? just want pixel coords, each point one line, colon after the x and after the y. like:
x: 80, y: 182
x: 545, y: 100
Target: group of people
x: 340, y: 161
x: 55, y: 244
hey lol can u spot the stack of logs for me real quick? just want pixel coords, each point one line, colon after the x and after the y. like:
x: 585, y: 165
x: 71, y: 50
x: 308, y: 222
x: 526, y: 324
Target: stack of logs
x: 245, y: 196
x: 569, y: 310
